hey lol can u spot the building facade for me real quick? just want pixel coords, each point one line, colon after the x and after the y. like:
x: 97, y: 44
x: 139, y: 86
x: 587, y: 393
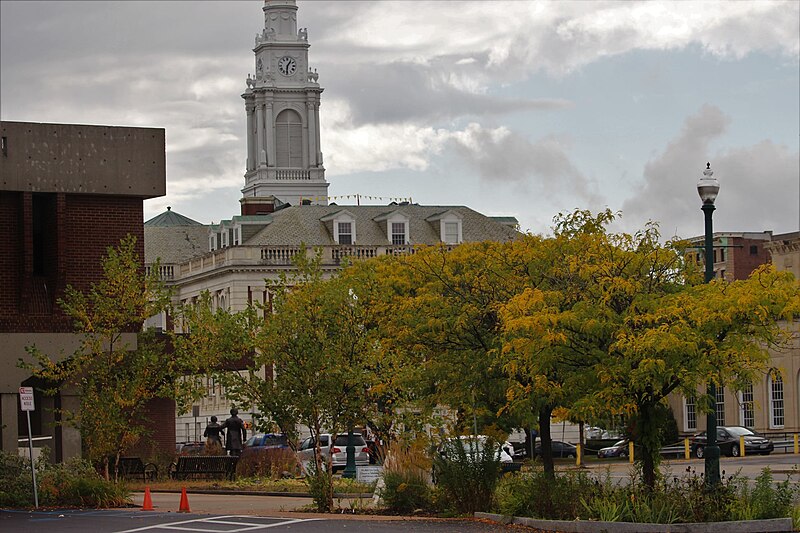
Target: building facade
x: 67, y: 193
x: 771, y: 404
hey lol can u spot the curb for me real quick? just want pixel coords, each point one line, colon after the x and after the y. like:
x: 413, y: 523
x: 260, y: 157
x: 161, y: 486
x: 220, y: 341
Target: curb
x: 257, y: 493
x: 585, y: 526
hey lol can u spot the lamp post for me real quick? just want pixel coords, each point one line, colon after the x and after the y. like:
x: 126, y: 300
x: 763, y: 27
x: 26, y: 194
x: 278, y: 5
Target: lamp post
x: 708, y: 188
x: 350, y: 465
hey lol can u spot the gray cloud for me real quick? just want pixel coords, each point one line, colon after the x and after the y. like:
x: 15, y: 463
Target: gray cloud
x: 542, y: 168
x: 403, y: 92
x: 759, y: 184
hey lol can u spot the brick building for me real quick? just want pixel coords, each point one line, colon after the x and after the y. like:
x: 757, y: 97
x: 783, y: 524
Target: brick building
x: 67, y: 193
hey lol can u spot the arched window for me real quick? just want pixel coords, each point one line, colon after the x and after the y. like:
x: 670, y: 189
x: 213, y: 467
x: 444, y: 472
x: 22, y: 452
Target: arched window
x: 776, y: 411
x: 289, y: 139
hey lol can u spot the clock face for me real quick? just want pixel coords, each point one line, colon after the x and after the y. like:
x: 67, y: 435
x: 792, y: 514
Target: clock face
x: 287, y: 66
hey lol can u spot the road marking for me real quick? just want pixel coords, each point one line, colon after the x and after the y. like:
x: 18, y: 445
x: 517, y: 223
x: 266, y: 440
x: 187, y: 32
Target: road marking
x: 249, y: 526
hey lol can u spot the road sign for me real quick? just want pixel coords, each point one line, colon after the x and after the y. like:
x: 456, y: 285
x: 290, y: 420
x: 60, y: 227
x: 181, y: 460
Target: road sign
x: 26, y: 399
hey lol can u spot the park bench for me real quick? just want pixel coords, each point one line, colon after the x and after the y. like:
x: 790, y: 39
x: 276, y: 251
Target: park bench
x: 204, y: 465
x: 134, y: 467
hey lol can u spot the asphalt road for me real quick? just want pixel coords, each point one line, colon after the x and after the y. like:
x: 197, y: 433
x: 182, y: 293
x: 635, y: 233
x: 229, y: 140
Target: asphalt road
x: 750, y: 467
x: 135, y: 521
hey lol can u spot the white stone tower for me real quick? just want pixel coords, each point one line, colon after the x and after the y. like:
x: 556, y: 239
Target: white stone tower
x: 284, y: 159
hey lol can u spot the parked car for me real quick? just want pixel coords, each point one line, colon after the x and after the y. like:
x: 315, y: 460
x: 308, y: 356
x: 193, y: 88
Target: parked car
x: 264, y: 441
x: 728, y: 442
x: 560, y: 449
x: 474, y: 446
x: 618, y: 449
x: 193, y: 448
x: 338, y: 451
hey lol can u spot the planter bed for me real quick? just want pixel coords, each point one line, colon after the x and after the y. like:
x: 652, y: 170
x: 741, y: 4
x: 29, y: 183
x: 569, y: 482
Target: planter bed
x: 587, y: 526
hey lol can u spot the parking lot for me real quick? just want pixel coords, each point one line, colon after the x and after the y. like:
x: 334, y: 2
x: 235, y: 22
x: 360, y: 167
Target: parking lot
x: 135, y: 521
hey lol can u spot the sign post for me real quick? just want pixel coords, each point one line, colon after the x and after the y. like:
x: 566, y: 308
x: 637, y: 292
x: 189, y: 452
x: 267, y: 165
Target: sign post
x: 26, y: 404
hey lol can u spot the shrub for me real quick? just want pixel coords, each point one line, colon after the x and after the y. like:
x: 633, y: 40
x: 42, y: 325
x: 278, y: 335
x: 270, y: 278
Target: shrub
x: 320, y: 487
x: 765, y: 499
x: 405, y: 478
x: 467, y: 471
x: 272, y: 463
x: 76, y: 483
x: 538, y: 495
x: 16, y: 489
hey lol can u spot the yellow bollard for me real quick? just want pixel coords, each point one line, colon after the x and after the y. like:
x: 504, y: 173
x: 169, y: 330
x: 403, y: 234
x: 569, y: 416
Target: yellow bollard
x: 687, y: 451
x: 578, y: 454
x: 630, y: 452
x: 741, y: 445
x: 796, y: 447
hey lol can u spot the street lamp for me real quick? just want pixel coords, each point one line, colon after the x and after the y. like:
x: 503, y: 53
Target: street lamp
x: 708, y: 188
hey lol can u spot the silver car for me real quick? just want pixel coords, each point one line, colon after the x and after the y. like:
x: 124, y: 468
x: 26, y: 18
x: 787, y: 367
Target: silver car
x: 338, y: 452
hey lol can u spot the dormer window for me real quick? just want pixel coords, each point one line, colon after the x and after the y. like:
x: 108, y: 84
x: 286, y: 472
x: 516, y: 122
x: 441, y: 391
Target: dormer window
x: 450, y: 227
x: 452, y: 233
x: 399, y: 233
x: 345, y: 232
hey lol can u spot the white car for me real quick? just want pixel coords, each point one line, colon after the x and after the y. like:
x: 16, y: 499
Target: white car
x: 338, y: 453
x: 474, y: 445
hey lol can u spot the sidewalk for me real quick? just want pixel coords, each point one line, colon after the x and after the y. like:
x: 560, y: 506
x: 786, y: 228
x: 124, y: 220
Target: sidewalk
x: 266, y: 505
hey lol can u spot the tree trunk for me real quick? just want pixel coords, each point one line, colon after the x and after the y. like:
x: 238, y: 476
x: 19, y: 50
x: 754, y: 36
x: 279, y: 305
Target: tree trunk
x: 529, y: 444
x: 648, y: 428
x: 544, y: 434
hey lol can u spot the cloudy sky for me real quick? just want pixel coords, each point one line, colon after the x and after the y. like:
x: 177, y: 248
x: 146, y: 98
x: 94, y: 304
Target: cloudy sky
x: 512, y: 108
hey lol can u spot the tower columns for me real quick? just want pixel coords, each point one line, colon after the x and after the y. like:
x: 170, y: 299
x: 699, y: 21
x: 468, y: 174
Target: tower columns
x: 270, y: 137
x: 260, y: 152
x: 251, y: 158
x: 312, y: 137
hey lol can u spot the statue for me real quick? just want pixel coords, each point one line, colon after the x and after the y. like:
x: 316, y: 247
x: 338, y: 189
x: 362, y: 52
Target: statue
x: 236, y: 433
x: 214, y: 433
x: 302, y: 34
x: 251, y: 82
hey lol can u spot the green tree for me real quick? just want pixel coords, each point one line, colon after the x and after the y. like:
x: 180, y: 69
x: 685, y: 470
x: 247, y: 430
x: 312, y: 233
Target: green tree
x: 116, y: 381
x: 617, y: 322
x: 441, y: 319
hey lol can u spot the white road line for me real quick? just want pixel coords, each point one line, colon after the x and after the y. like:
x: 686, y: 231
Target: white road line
x: 220, y: 520
x: 145, y: 528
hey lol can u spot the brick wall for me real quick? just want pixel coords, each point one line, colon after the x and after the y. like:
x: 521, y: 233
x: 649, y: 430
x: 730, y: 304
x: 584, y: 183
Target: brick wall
x: 161, y: 441
x: 743, y: 261
x: 80, y: 230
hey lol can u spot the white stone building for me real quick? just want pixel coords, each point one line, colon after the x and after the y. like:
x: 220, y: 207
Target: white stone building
x: 284, y: 205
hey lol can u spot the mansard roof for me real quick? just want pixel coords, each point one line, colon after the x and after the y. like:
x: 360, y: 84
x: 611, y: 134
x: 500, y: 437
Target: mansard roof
x: 306, y: 224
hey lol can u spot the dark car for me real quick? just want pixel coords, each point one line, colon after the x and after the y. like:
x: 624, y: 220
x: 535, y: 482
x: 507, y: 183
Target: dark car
x: 193, y: 448
x: 728, y: 442
x: 560, y: 449
x: 618, y: 449
x: 265, y: 441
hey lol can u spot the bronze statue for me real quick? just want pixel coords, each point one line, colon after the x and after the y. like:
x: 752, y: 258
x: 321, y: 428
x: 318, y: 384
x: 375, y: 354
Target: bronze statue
x: 236, y: 433
x: 214, y: 433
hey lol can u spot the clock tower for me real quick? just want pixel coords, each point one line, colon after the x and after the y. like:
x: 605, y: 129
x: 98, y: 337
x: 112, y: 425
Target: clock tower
x: 284, y: 159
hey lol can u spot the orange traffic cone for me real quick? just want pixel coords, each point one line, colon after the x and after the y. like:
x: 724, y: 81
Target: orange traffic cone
x: 184, y: 507
x: 148, y: 501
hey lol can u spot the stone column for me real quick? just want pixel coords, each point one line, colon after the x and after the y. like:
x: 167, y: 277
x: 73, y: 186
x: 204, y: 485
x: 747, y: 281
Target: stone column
x: 8, y: 422
x: 260, y: 153
x: 70, y: 437
x: 251, y: 158
x: 312, y: 135
x: 316, y: 133
x: 47, y: 406
x: 270, y: 127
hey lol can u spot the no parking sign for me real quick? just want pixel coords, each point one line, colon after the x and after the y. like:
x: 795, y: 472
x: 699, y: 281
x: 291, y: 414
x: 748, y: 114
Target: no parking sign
x: 26, y: 399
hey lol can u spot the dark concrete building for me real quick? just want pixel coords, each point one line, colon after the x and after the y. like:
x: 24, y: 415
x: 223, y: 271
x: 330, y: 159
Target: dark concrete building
x: 67, y: 193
